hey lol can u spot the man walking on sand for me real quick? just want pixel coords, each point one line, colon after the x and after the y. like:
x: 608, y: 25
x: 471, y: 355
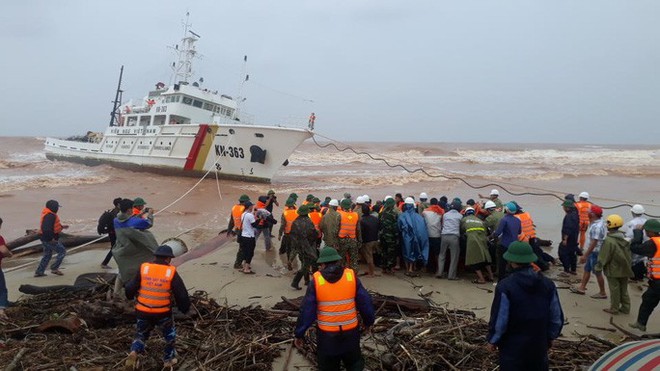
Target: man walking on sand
x: 596, y: 234
x: 650, y: 249
x: 49, y: 231
x: 526, y: 314
x: 333, y: 300
x: 153, y: 287
x: 615, y: 260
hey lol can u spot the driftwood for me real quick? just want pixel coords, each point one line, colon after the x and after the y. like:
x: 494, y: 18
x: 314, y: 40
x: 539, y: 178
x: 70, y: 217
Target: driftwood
x: 383, y: 302
x: 84, y: 282
x: 31, y: 235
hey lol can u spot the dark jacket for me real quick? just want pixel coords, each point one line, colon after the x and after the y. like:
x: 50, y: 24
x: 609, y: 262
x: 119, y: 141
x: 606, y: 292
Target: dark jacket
x: 334, y: 343
x: 369, y: 226
x: 637, y: 246
x: 525, y: 316
x: 508, y: 230
x: 48, y: 224
x: 177, y: 287
x: 571, y: 228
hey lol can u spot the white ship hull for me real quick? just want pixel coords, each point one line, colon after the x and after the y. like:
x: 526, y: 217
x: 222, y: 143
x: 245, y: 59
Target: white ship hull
x: 242, y: 152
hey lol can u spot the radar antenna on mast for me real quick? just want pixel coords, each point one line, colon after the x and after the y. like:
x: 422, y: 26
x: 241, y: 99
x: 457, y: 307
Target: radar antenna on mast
x: 114, y: 115
x: 182, y: 70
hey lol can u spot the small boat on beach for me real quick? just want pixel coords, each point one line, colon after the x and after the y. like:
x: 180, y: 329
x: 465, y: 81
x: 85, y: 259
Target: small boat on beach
x: 184, y: 129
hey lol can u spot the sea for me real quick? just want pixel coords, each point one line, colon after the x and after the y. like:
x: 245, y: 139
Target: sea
x: 612, y: 174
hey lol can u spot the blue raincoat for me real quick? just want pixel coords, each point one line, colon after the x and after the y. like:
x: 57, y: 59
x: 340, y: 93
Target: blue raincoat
x: 414, y: 235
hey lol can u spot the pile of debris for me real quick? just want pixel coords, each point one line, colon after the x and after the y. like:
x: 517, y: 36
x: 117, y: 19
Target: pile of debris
x: 85, y: 329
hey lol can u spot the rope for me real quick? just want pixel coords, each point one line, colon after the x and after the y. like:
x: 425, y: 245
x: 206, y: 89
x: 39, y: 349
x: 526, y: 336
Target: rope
x: 382, y: 158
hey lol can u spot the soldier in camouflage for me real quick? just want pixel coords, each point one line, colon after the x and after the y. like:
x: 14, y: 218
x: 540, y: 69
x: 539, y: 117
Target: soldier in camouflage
x: 330, y: 225
x: 389, y: 236
x: 303, y: 243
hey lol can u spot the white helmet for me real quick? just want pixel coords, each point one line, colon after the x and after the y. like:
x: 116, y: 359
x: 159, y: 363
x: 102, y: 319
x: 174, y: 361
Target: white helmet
x: 490, y: 205
x: 494, y: 192
x: 409, y: 201
x: 469, y: 209
x: 584, y: 195
x: 423, y: 196
x: 359, y: 200
x: 388, y: 197
x: 333, y: 202
x: 366, y: 198
x: 637, y: 209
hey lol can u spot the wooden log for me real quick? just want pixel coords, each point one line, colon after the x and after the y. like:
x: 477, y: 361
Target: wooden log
x: 71, y: 324
x: 68, y: 240
x: 14, y: 363
x: 29, y: 237
x: 85, y: 281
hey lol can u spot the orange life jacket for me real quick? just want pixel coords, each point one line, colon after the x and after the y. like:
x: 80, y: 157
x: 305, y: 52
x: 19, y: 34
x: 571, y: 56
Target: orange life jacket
x: 527, y: 227
x: 289, y: 216
x: 348, y: 226
x: 324, y: 210
x: 653, y: 266
x: 155, y: 287
x: 583, y: 211
x: 136, y: 211
x: 57, y: 227
x: 316, y: 216
x: 236, y: 213
x: 336, y: 302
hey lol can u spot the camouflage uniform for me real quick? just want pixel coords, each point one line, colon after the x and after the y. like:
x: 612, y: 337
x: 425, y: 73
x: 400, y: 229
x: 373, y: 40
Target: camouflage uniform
x: 330, y: 228
x: 303, y: 243
x: 389, y: 237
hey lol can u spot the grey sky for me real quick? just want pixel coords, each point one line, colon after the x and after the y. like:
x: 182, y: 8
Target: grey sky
x: 480, y: 71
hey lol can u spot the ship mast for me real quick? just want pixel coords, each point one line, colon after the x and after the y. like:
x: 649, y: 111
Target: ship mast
x: 182, y: 70
x: 117, y: 101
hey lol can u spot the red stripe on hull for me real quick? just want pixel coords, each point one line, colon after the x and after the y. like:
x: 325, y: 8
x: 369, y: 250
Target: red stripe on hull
x: 194, y: 150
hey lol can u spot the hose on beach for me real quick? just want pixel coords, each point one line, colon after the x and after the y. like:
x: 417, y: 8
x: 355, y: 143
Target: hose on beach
x: 381, y: 158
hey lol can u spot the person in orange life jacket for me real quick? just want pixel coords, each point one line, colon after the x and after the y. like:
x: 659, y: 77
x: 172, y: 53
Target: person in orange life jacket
x: 333, y: 300
x: 4, y: 253
x: 234, y: 226
x: 526, y: 315
x: 570, y: 231
x: 286, y: 221
x: 596, y: 236
x: 582, y: 207
x: 294, y: 197
x: 650, y: 249
x: 528, y: 234
x: 315, y: 215
x: 247, y: 242
x: 152, y: 288
x: 139, y: 209
x: 266, y: 221
x: 476, y: 206
x: 398, y: 199
x: 309, y: 199
x: 349, y: 235
x: 107, y: 225
x: 325, y: 205
x: 49, y: 231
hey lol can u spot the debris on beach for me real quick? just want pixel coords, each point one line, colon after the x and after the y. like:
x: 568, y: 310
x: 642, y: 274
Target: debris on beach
x: 87, y: 329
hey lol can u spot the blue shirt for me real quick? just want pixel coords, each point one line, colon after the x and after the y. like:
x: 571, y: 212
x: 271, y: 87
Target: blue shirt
x: 508, y: 230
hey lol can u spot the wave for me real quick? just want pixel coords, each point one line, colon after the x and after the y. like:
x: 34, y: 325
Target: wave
x: 51, y: 180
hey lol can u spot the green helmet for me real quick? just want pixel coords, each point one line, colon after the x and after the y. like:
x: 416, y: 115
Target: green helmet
x: 303, y: 210
x: 520, y: 252
x: 327, y: 255
x: 244, y: 198
x: 139, y: 201
x: 290, y: 202
x: 346, y: 203
x: 294, y: 196
x: 309, y: 197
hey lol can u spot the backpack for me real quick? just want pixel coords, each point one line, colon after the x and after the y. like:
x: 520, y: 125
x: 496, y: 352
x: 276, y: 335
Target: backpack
x: 106, y: 223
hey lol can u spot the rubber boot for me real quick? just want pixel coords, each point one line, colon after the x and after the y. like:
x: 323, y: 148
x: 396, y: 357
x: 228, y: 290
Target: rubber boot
x: 306, y: 277
x: 296, y: 280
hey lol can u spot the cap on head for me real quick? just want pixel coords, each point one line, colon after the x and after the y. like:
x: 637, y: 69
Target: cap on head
x: 53, y: 205
x: 303, y: 210
x: 247, y: 204
x: 139, y: 201
x: 570, y: 196
x: 637, y: 209
x: 290, y: 202
x: 596, y: 210
x: 244, y: 198
x: 614, y: 221
x: 164, y: 251
x: 569, y: 204
x: 584, y: 195
x: 328, y: 255
x: 510, y: 208
x: 520, y: 252
x: 423, y: 196
x: 333, y: 202
x: 346, y: 203
x: 409, y: 201
x: 494, y: 192
x: 652, y: 225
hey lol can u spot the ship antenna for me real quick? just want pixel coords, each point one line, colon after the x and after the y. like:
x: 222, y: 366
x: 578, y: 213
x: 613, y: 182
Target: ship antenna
x: 182, y: 70
x: 240, y: 99
x: 117, y: 101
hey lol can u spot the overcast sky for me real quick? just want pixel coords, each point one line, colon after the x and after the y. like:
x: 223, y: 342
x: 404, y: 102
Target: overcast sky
x: 426, y: 70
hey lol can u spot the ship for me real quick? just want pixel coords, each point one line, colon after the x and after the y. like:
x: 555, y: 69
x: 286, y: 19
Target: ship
x: 185, y: 129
